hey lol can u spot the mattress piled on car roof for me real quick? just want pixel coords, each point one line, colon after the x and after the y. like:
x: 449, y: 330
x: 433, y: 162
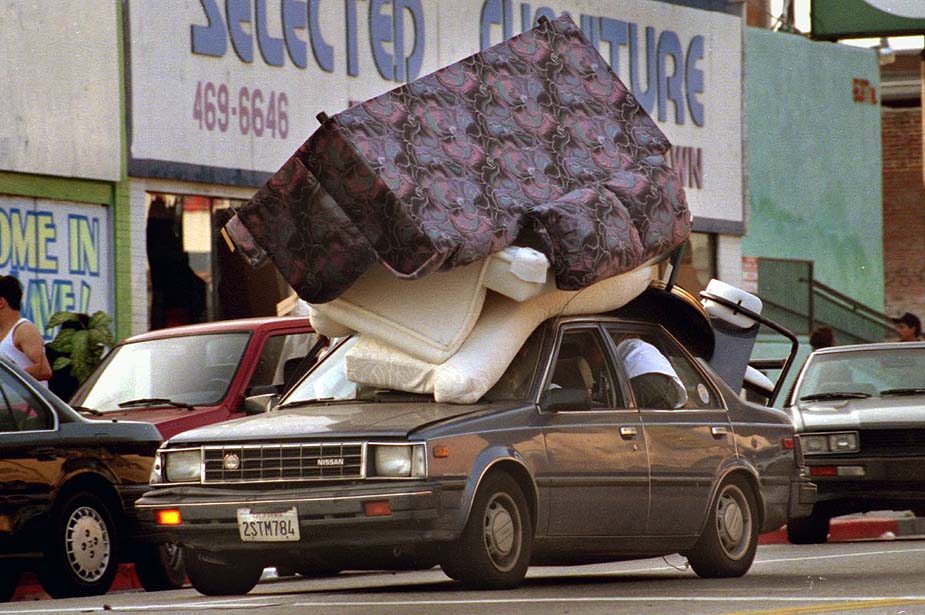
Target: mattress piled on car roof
x: 525, y: 169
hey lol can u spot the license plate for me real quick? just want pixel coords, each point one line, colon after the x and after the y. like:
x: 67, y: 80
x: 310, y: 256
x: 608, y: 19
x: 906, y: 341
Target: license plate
x: 269, y: 526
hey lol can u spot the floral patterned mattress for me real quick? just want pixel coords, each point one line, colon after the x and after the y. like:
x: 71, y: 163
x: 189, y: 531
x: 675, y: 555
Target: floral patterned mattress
x: 532, y: 142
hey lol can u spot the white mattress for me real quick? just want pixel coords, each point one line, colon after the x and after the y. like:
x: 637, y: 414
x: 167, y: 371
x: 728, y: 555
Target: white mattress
x: 502, y: 327
x: 430, y: 318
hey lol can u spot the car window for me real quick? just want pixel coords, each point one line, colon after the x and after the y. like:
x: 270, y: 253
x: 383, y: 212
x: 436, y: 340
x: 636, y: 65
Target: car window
x: 517, y: 379
x: 192, y: 369
x: 282, y: 356
x: 581, y: 364
x: 660, y: 374
x: 864, y: 372
x: 20, y: 409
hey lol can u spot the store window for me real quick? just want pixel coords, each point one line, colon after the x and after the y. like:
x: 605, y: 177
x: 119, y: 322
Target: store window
x: 192, y: 274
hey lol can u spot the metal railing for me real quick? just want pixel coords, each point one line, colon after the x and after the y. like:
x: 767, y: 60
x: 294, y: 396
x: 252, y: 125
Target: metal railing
x: 795, y: 299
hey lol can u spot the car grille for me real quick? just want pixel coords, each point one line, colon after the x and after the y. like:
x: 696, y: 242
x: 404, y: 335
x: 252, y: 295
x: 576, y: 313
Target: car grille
x: 892, y: 442
x: 285, y: 462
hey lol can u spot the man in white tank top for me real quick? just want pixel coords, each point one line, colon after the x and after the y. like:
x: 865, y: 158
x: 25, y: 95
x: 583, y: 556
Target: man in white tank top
x: 20, y: 340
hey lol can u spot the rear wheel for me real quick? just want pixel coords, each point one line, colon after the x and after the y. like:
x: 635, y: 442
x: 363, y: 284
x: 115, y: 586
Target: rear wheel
x: 160, y: 567
x: 493, y: 551
x: 213, y: 576
x: 81, y: 557
x: 812, y: 530
x: 729, y: 541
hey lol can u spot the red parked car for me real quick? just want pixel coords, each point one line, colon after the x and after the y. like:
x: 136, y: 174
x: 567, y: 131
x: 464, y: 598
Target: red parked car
x: 184, y: 377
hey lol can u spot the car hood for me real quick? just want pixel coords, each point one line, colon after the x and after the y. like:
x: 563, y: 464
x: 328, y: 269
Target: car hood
x: 871, y: 413
x: 342, y: 420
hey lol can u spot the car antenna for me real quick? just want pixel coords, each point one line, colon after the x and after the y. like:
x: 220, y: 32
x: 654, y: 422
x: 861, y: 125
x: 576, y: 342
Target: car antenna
x: 675, y: 265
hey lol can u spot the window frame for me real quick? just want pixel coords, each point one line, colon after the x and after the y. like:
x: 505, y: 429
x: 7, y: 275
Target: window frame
x: 39, y: 398
x: 660, y: 333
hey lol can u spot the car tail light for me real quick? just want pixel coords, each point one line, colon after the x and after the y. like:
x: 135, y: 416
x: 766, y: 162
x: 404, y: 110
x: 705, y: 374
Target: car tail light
x: 823, y: 471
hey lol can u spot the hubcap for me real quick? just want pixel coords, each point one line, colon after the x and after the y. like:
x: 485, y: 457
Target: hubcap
x: 733, y: 522
x: 87, y: 544
x: 502, y: 531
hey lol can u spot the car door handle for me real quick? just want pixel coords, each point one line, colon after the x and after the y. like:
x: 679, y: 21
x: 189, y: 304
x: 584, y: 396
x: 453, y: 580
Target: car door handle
x: 719, y: 431
x: 45, y: 453
x: 628, y: 433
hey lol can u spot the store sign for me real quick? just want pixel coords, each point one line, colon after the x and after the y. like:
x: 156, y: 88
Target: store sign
x: 59, y: 100
x: 834, y: 19
x: 60, y: 253
x: 242, y: 94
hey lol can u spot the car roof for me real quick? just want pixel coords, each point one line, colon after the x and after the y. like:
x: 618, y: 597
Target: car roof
x: 223, y: 326
x: 872, y: 346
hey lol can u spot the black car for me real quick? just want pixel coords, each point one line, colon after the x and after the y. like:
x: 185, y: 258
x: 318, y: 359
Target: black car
x: 68, y: 485
x: 570, y: 458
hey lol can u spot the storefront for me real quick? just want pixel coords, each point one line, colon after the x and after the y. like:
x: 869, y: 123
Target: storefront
x: 222, y: 92
x: 60, y: 157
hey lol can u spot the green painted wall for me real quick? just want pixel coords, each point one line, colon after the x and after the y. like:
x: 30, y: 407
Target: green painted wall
x: 814, y: 160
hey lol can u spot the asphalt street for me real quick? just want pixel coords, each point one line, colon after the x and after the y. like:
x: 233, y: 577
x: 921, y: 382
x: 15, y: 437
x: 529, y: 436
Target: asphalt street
x: 870, y: 577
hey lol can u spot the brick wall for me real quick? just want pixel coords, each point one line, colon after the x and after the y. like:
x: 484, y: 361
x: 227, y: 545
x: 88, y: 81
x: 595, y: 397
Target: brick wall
x: 903, y: 211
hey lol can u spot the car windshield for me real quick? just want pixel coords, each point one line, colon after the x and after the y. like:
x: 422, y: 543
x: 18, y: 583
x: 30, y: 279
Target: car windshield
x: 169, y: 372
x: 328, y: 380
x: 864, y: 373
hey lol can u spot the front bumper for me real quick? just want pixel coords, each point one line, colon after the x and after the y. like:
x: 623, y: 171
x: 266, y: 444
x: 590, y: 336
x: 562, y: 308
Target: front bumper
x: 329, y: 517
x: 803, y: 496
x: 859, y: 484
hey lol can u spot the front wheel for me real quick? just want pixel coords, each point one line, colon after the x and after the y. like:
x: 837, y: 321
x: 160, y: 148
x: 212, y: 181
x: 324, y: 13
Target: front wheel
x: 813, y: 530
x: 80, y: 559
x: 160, y: 567
x: 493, y: 551
x: 214, y: 576
x: 730, y: 539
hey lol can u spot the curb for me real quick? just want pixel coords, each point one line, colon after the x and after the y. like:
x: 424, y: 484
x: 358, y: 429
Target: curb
x: 30, y: 589
x: 845, y: 530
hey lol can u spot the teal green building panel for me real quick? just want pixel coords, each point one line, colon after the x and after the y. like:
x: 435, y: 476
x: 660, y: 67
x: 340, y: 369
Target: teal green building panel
x: 814, y: 159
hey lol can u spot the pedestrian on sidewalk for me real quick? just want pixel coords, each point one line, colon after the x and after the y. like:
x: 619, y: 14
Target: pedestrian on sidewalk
x: 20, y: 340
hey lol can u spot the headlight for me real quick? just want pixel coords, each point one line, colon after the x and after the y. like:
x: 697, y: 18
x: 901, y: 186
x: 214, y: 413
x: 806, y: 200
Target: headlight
x: 843, y: 442
x: 820, y: 444
x: 182, y: 466
x: 398, y: 461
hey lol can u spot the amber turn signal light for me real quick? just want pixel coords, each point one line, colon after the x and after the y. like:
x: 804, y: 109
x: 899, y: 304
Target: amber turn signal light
x: 170, y: 516
x: 441, y: 452
x: 377, y: 509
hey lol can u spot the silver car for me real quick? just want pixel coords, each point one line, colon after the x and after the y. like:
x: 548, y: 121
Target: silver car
x: 859, y: 412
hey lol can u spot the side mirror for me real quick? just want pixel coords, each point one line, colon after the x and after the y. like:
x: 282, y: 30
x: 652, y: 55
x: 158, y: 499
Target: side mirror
x: 259, y: 404
x: 557, y: 400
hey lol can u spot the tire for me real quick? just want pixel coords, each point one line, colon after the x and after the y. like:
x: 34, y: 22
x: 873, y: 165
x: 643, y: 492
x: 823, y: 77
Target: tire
x: 493, y: 550
x: 9, y: 580
x: 212, y: 576
x: 160, y: 567
x: 81, y: 558
x: 730, y: 539
x: 812, y: 530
